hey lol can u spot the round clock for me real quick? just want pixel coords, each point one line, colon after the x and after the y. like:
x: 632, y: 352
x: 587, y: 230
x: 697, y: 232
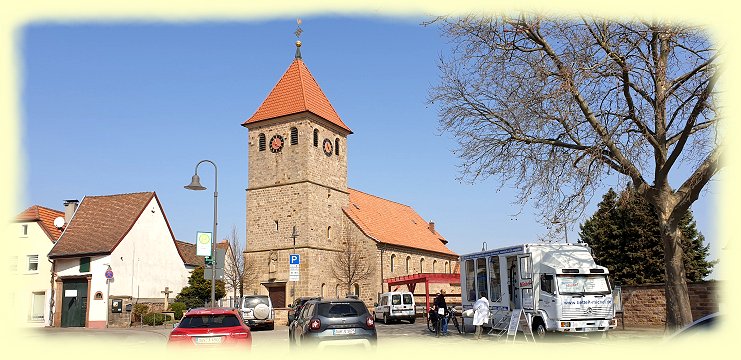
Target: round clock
x: 276, y: 143
x: 327, y: 146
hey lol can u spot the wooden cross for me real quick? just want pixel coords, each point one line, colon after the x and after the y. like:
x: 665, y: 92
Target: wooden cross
x: 167, y: 296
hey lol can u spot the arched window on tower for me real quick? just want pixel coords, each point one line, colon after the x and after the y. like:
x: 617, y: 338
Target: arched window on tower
x: 323, y: 291
x: 356, y: 289
x: 434, y: 262
x: 422, y: 265
x: 447, y: 267
x: 261, y: 142
x: 337, y: 291
x: 409, y: 260
x: 316, y: 137
x: 329, y: 233
x: 393, y: 257
x: 337, y: 146
x: 294, y: 136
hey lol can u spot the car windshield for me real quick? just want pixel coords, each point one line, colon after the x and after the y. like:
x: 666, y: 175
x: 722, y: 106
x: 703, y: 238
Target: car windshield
x: 340, y: 310
x: 209, y: 321
x: 252, y: 301
x: 583, y: 284
x: 407, y: 299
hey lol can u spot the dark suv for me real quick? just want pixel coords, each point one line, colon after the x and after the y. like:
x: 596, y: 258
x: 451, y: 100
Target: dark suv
x: 333, y: 323
x: 295, y: 308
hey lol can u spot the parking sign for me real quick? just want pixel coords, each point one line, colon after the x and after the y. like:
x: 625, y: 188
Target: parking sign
x: 294, y: 259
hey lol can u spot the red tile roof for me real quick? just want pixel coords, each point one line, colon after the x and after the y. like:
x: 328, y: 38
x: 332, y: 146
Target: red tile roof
x: 45, y: 217
x: 189, y: 254
x: 296, y: 92
x: 101, y: 222
x: 393, y: 223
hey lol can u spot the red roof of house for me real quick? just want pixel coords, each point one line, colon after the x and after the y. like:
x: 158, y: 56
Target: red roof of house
x: 45, y: 217
x: 393, y: 223
x: 296, y: 91
x: 101, y: 222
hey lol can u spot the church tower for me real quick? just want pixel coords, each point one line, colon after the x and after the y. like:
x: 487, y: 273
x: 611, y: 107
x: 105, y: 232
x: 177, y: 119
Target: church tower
x: 297, y: 177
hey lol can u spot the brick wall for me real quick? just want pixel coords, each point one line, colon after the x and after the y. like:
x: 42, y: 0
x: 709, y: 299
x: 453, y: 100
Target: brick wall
x: 645, y: 305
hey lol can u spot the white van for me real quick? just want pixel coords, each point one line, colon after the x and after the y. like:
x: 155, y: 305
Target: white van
x: 257, y: 311
x: 395, y: 305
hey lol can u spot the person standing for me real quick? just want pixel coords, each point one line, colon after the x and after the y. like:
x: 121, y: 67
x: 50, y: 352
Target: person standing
x: 441, y: 309
x: 481, y: 313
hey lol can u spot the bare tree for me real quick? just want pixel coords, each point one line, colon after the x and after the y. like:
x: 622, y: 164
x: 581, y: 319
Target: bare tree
x: 237, y: 270
x: 554, y: 107
x: 349, y: 266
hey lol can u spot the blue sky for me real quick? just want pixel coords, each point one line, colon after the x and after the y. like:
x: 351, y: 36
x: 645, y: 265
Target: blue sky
x: 122, y: 107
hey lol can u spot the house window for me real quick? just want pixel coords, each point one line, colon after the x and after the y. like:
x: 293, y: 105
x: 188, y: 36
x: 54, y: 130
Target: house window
x: 336, y: 146
x: 316, y: 137
x: 294, y: 136
x: 261, y: 142
x: 13, y: 264
x: 84, y: 264
x: 37, y: 306
x: 33, y: 263
x: 393, y: 257
x: 409, y: 260
x: 24, y: 230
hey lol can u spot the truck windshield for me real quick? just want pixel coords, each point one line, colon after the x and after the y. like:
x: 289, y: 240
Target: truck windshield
x: 583, y: 284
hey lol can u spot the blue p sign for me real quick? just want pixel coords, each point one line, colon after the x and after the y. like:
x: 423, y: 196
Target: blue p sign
x: 294, y: 259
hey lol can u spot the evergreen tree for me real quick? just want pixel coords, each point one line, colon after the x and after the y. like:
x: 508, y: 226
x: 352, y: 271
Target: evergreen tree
x: 625, y: 238
x: 198, y: 291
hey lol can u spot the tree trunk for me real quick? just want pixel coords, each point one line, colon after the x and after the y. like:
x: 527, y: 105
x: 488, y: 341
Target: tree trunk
x: 678, y: 310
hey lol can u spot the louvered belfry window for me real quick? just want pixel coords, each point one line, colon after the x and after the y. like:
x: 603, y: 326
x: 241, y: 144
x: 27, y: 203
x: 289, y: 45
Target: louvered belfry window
x: 337, y: 146
x: 261, y: 145
x: 294, y: 136
x: 316, y: 137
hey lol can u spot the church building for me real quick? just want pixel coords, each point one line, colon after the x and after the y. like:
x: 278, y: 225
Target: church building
x: 297, y: 179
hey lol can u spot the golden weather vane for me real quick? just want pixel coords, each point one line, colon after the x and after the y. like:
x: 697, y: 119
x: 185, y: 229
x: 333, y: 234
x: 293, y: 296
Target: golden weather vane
x: 298, y: 38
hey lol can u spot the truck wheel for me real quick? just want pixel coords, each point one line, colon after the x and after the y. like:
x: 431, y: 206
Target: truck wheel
x: 412, y: 320
x: 385, y: 319
x: 539, y: 329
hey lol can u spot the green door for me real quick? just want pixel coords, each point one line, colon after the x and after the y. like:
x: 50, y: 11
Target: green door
x: 74, y: 303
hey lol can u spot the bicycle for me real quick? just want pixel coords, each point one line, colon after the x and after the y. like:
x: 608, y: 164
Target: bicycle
x: 434, y: 325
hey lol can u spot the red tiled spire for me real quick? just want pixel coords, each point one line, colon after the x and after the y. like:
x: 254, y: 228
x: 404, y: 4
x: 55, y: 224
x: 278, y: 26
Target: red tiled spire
x: 296, y: 92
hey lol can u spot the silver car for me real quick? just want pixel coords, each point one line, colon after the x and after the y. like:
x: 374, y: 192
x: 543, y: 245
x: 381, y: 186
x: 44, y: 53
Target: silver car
x: 257, y: 312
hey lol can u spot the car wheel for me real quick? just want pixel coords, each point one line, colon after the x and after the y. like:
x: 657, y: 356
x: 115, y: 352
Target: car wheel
x: 385, y: 319
x: 539, y: 329
x: 271, y: 326
x: 412, y: 320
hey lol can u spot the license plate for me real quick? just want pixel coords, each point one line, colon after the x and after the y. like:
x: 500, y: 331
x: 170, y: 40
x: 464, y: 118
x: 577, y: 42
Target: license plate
x: 208, y: 340
x: 590, y: 329
x: 344, y: 331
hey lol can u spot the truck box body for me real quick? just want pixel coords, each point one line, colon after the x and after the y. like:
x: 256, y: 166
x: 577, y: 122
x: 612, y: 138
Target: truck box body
x: 559, y: 286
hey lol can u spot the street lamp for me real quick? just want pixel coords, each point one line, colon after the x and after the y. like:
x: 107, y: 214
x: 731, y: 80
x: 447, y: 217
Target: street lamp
x: 195, y: 184
x: 565, y: 232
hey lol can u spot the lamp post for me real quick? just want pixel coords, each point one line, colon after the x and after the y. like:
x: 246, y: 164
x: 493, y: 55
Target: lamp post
x: 565, y: 231
x: 195, y: 184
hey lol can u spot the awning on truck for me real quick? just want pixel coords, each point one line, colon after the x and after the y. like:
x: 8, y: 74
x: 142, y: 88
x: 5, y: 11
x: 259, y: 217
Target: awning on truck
x: 411, y: 282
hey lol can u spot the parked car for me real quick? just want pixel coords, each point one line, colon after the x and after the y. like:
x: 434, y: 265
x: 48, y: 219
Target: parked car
x: 257, y: 311
x: 208, y: 327
x: 699, y: 326
x: 394, y: 306
x: 333, y: 323
x: 295, y: 308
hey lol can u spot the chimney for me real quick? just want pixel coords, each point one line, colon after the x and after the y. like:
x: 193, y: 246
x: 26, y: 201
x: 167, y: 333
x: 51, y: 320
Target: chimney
x: 70, y: 206
x: 431, y: 226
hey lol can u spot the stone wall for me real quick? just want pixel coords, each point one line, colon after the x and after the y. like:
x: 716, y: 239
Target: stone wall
x: 645, y: 305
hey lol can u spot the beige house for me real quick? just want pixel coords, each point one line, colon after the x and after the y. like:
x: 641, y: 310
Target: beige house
x: 297, y: 177
x: 29, y: 265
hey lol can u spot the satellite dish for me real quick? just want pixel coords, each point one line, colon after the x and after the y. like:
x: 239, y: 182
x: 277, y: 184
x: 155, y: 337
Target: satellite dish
x: 59, y: 222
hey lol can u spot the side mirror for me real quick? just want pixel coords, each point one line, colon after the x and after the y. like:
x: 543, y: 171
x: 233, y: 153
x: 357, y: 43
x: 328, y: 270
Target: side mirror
x: 175, y: 325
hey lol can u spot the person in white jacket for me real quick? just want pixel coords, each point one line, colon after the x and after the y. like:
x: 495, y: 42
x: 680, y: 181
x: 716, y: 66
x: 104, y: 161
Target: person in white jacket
x: 481, y: 313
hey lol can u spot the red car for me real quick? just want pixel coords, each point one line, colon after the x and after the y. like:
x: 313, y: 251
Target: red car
x: 209, y: 327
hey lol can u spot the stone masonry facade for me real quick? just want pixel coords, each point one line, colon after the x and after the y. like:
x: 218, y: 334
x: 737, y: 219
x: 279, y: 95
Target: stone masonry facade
x: 645, y: 305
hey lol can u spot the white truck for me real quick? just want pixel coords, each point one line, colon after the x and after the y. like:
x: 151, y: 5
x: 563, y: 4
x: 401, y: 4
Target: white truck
x: 558, y: 286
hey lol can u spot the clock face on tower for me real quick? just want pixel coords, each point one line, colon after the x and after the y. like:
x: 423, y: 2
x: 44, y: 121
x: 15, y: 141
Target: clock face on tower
x: 327, y: 146
x: 276, y: 143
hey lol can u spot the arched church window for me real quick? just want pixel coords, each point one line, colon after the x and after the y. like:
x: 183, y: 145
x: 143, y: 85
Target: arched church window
x: 323, y: 290
x: 434, y: 262
x: 393, y: 257
x: 329, y: 233
x: 261, y: 145
x: 409, y: 260
x: 337, y: 291
x: 316, y: 137
x: 337, y: 146
x: 422, y: 265
x: 294, y: 136
x: 356, y: 289
x: 447, y: 267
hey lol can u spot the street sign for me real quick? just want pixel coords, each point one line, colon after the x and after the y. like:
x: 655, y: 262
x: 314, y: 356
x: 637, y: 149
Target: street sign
x: 220, y: 258
x: 203, y: 243
x: 294, y: 259
x: 219, y: 274
x: 109, y: 274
